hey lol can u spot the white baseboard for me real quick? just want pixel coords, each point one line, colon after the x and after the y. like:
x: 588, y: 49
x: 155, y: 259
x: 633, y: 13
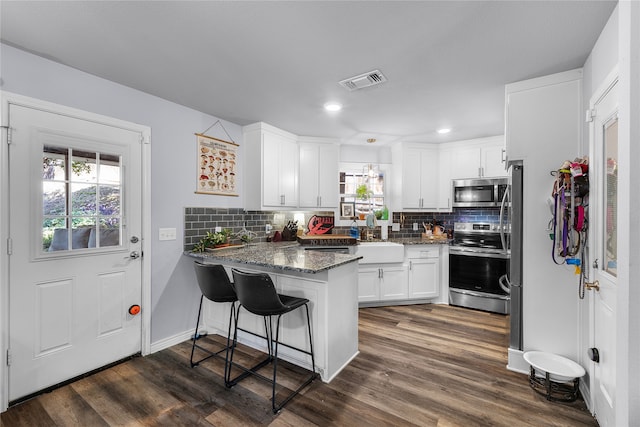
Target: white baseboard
x: 516, y: 362
x: 171, y: 341
x: 586, y: 394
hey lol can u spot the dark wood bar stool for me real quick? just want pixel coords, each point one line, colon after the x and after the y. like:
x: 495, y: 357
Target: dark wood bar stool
x: 215, y: 285
x: 257, y: 294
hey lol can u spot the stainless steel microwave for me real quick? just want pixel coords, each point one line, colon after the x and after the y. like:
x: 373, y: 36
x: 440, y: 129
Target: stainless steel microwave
x: 478, y: 193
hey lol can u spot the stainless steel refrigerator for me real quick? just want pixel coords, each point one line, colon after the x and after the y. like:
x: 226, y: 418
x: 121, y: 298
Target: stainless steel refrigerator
x: 515, y: 264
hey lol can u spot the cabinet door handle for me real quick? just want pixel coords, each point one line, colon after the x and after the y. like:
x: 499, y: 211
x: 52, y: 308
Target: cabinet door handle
x: 503, y: 155
x: 282, y: 199
x: 319, y: 201
x: 410, y: 265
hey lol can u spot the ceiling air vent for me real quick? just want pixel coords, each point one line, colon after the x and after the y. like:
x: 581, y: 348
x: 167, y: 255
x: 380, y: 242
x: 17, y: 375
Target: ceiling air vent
x: 364, y: 80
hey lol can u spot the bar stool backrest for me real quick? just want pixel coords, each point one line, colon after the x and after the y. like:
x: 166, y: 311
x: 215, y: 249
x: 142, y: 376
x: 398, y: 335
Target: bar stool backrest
x: 257, y: 293
x: 214, y: 282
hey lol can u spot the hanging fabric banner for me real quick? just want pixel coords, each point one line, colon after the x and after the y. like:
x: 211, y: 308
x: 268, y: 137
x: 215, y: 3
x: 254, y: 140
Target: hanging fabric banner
x: 217, y: 161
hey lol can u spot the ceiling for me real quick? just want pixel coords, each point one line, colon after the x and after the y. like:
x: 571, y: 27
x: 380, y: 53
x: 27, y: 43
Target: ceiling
x: 446, y: 62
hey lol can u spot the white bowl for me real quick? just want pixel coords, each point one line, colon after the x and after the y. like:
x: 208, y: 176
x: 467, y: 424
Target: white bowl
x: 560, y: 368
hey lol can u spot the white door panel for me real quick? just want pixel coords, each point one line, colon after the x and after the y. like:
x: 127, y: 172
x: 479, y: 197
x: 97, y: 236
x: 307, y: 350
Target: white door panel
x: 70, y: 293
x: 603, y: 246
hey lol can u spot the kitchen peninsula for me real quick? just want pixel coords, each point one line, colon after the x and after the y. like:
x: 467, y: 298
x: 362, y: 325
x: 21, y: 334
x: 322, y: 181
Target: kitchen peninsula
x: 328, y: 280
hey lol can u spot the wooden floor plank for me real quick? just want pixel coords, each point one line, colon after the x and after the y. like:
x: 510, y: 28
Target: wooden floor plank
x: 67, y: 407
x: 420, y: 365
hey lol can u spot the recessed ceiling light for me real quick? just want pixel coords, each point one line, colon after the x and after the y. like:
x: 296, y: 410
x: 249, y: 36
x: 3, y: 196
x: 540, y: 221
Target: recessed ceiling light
x: 332, y: 106
x: 443, y: 131
x: 371, y: 140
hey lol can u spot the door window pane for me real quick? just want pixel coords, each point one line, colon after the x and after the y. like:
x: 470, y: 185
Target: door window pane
x: 611, y: 197
x: 81, y: 192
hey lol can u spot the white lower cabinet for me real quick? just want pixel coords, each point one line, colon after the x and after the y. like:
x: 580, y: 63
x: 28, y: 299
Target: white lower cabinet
x: 419, y: 278
x: 424, y: 278
x: 424, y: 271
x: 393, y: 283
x: 382, y: 283
x: 368, y: 284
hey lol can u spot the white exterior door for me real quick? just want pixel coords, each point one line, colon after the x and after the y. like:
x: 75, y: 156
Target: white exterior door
x: 603, y: 247
x: 75, y: 221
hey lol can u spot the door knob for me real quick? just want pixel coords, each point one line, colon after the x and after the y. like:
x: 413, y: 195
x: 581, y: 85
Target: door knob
x: 134, y: 255
x: 593, y: 285
x: 134, y: 239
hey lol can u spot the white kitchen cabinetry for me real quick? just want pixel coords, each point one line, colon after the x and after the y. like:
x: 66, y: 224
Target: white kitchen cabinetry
x: 444, y: 181
x: 424, y: 271
x: 333, y: 310
x: 493, y: 161
x: 393, y: 283
x: 417, y: 173
x: 382, y: 283
x: 319, y: 175
x: 368, y: 284
x: 271, y: 162
x: 481, y: 159
x: 421, y: 278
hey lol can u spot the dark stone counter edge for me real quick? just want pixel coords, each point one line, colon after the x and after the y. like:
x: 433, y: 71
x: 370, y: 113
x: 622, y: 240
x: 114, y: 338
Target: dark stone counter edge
x: 223, y: 259
x: 419, y: 241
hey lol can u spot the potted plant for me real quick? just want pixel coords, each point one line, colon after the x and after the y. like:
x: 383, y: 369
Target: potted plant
x: 213, y: 240
x: 363, y: 193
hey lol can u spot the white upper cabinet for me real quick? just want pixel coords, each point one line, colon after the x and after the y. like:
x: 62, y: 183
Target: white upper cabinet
x: 417, y: 169
x: 482, y: 158
x: 319, y: 174
x: 271, y: 162
x: 421, y: 182
x: 444, y: 184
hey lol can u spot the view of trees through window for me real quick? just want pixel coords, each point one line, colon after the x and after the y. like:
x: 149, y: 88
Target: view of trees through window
x: 81, y: 191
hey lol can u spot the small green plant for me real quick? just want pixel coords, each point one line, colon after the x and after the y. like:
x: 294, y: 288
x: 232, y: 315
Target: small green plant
x: 363, y: 192
x: 211, y: 240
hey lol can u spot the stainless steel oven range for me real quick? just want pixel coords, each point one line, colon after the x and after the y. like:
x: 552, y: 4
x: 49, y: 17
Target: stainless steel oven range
x: 478, y: 267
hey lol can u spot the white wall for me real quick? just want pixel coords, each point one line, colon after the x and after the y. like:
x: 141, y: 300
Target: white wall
x: 174, y: 293
x: 365, y: 154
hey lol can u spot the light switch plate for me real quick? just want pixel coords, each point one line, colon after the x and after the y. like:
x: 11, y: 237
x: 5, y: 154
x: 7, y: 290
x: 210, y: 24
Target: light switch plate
x: 167, y: 234
x: 395, y: 226
x: 415, y: 226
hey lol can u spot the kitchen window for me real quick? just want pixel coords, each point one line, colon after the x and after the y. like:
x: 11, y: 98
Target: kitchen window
x: 363, y: 186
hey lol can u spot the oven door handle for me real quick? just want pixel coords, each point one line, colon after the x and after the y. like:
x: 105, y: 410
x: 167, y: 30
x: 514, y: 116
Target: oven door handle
x: 479, y: 294
x: 463, y: 252
x: 504, y: 283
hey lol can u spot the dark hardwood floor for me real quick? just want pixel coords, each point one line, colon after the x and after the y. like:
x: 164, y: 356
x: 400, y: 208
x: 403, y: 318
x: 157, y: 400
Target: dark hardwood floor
x: 424, y: 365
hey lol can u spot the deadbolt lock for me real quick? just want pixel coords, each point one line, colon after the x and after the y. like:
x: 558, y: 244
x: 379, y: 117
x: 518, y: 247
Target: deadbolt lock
x: 593, y: 285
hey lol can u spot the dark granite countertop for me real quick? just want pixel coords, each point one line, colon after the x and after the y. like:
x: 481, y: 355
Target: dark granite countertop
x: 280, y: 256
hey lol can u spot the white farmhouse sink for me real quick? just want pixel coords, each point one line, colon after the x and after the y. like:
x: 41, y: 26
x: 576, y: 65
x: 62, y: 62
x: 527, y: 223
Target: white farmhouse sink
x: 380, y: 252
